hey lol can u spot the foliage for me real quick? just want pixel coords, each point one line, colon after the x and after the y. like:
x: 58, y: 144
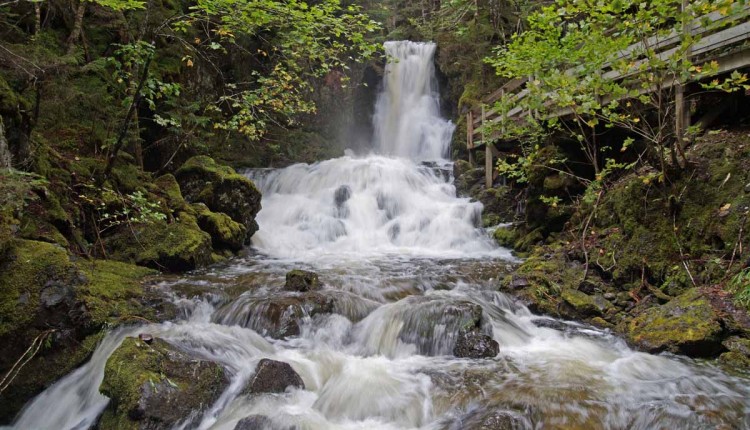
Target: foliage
x: 299, y: 42
x: 740, y: 285
x: 599, y: 63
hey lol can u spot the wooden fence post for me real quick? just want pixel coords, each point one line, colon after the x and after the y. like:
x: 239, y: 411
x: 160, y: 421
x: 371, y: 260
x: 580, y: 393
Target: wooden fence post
x: 487, y: 153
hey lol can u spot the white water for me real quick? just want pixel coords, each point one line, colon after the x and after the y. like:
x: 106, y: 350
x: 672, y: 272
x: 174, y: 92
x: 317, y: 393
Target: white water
x: 407, y: 113
x: 382, y: 359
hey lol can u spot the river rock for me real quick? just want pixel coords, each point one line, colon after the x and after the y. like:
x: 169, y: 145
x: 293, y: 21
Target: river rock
x: 277, y: 316
x: 155, y: 386
x: 687, y: 324
x: 222, y: 189
x: 473, y: 344
x: 273, y: 377
x: 259, y: 422
x: 302, y: 281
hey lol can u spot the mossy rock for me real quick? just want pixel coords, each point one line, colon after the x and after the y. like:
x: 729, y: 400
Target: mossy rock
x: 526, y: 242
x: 114, y: 293
x: 225, y: 233
x: 222, y: 189
x: 582, y: 305
x: 28, y: 268
x: 302, y: 281
x: 46, y: 296
x: 505, y: 236
x: 167, y: 187
x: 156, y: 386
x: 688, y: 325
x: 175, y: 247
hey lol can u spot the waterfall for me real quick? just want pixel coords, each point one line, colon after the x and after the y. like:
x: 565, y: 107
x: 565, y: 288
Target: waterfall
x: 407, y: 118
x: 391, y: 203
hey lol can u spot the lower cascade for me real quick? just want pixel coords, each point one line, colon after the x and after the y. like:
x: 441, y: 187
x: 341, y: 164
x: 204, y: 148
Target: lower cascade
x: 359, y: 307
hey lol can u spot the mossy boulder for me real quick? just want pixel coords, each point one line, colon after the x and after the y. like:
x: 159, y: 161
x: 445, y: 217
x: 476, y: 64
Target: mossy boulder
x: 505, y: 236
x: 582, y: 305
x: 62, y: 306
x: 225, y: 233
x: 688, y: 325
x: 155, y: 386
x: 302, y: 281
x: 176, y: 246
x: 222, y: 189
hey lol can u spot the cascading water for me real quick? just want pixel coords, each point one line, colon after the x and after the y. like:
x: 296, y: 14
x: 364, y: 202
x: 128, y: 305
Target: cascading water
x: 399, y: 256
x: 407, y: 119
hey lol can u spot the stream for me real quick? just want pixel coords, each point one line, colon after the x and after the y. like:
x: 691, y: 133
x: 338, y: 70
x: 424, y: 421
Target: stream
x: 403, y: 261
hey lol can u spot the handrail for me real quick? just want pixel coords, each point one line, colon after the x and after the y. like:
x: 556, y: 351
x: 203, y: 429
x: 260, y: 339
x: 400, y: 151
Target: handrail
x: 717, y: 35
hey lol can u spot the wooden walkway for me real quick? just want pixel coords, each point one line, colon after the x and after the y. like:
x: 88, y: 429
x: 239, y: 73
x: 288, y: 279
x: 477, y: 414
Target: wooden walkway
x: 723, y: 41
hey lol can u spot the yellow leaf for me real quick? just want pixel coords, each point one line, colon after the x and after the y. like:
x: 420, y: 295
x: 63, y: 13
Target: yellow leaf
x: 189, y: 63
x: 726, y: 207
x: 197, y: 40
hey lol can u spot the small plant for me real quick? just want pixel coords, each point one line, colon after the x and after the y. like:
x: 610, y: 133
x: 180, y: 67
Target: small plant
x: 740, y: 286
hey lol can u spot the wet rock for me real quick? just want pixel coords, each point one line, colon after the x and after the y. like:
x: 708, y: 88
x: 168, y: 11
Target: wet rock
x: 471, y: 179
x: 157, y: 386
x: 222, y: 189
x: 254, y: 422
x: 302, y: 281
x: 688, y: 325
x: 277, y: 316
x: 259, y: 422
x: 273, y: 377
x: 342, y: 195
x: 490, y: 419
x: 473, y: 344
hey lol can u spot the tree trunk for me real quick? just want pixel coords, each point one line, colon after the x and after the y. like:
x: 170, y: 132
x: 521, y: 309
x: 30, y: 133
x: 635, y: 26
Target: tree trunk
x: 75, y: 34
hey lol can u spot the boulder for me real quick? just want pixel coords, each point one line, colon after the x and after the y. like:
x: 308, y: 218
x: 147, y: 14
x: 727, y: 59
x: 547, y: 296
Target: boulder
x: 222, y: 189
x: 688, y: 325
x: 474, y: 344
x: 225, y: 233
x: 273, y: 377
x: 49, y: 299
x: 302, y: 281
x: 155, y: 386
x: 175, y: 247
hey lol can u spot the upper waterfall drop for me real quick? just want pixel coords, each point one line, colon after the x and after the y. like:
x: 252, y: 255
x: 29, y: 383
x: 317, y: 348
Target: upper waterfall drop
x: 407, y: 119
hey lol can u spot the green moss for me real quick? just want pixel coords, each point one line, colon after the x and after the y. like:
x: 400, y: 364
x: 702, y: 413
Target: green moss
x: 156, y: 383
x: 584, y: 305
x: 688, y: 324
x: 131, y: 366
x: 29, y: 266
x: 167, y: 187
x: 178, y: 246
x: 113, y: 291
x: 128, y: 178
x: 505, y: 236
x: 225, y: 233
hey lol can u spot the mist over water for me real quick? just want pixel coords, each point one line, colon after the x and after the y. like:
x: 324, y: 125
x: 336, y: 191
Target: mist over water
x: 403, y: 262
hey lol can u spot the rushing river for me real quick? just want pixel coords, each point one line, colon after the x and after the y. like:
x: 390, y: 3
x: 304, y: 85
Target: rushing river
x: 401, y: 258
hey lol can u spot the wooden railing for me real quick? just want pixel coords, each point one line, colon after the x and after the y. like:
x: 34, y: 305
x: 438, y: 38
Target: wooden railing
x: 714, y: 31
